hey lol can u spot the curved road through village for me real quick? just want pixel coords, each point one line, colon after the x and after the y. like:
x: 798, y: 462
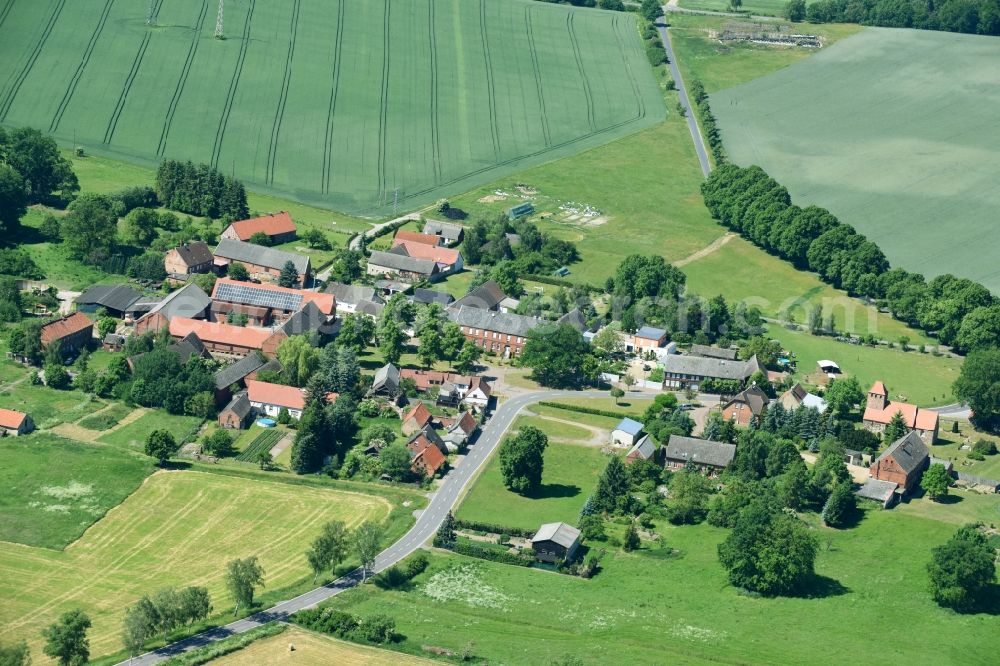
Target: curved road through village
x: 441, y: 502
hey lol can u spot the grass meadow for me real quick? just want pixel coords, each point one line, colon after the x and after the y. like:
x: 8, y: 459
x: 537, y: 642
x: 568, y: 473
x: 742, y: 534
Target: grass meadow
x: 313, y: 649
x: 54, y: 488
x: 720, y: 66
x: 569, y: 476
x: 923, y: 379
x: 742, y: 272
x: 348, y: 104
x: 49, y: 407
x: 133, y: 435
x: 179, y: 528
x: 755, y: 7
x: 675, y: 605
x: 910, y: 157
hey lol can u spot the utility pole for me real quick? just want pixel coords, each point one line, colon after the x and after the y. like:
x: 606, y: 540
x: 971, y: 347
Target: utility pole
x: 395, y: 202
x: 219, y: 32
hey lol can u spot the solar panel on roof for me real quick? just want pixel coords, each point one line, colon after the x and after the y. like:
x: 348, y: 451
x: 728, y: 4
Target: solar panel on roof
x: 246, y: 294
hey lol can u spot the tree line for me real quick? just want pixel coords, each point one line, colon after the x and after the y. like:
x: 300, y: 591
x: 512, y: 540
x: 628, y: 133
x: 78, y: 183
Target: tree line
x: 980, y: 17
x: 200, y: 190
x: 958, y: 311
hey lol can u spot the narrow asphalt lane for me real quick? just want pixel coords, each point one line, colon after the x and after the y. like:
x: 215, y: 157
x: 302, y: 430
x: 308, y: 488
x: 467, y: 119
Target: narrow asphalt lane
x: 441, y: 502
x: 692, y: 121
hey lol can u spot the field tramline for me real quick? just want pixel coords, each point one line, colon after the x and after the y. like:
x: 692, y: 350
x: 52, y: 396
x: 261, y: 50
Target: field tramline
x: 358, y: 106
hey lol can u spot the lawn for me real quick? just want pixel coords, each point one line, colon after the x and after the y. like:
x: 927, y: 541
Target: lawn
x: 49, y: 407
x: 960, y: 507
x: 923, y: 379
x: 742, y: 272
x: 53, y: 488
x: 721, y: 66
x: 361, y: 106
x: 179, y: 528
x: 313, y: 649
x: 134, y: 434
x: 630, y: 404
x: 949, y: 446
x: 645, y: 187
x: 570, y: 475
x: 910, y: 157
x: 644, y: 608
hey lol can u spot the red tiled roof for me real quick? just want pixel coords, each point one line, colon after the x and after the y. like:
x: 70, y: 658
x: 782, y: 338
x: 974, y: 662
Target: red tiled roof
x: 481, y: 384
x: 327, y: 303
x: 467, y: 423
x: 420, y: 413
x: 61, y: 328
x: 276, y: 394
x: 441, y: 255
x: 423, y: 449
x: 913, y: 416
x: 425, y: 379
x: 12, y: 419
x: 248, y: 337
x: 272, y: 225
x: 416, y: 237
x: 878, y: 388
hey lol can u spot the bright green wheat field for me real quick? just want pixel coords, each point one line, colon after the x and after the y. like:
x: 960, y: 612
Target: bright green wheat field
x: 356, y: 105
x: 895, y: 131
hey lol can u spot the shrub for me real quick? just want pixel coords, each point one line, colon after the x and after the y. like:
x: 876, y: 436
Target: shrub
x: 585, y: 410
x: 492, y: 554
x: 984, y: 447
x: 416, y: 565
x: 474, y: 526
x: 327, y: 620
x: 378, y: 628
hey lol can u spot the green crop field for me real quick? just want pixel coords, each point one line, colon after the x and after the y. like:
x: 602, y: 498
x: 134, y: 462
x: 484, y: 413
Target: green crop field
x: 360, y: 106
x: 54, y: 488
x: 650, y: 607
x: 895, y: 132
x: 262, y: 443
x: 179, y: 528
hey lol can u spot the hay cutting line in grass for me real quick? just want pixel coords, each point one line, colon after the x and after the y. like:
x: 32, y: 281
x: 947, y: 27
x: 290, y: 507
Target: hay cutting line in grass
x: 435, y: 132
x: 109, y: 131
x: 272, y: 150
x: 234, y: 83
x: 538, y: 73
x: 23, y: 74
x: 640, y: 105
x: 182, y: 79
x: 490, y: 88
x: 332, y: 108
x: 84, y: 61
x: 591, y: 114
x: 383, y: 120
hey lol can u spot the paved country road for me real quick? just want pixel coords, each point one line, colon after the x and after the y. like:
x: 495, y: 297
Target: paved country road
x: 692, y: 121
x: 443, y: 501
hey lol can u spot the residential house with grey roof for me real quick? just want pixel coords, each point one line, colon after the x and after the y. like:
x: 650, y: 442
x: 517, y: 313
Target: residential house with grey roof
x: 626, y: 433
x: 903, y: 463
x: 263, y: 263
x: 386, y: 382
x: 450, y: 234
x: 402, y: 267
x: 486, y: 296
x: 349, y: 296
x: 705, y: 351
x: 188, y: 302
x: 687, y: 371
x: 710, y: 458
x: 500, y: 333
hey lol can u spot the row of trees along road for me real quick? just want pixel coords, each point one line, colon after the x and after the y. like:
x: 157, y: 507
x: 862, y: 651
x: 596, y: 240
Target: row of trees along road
x: 960, y: 312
